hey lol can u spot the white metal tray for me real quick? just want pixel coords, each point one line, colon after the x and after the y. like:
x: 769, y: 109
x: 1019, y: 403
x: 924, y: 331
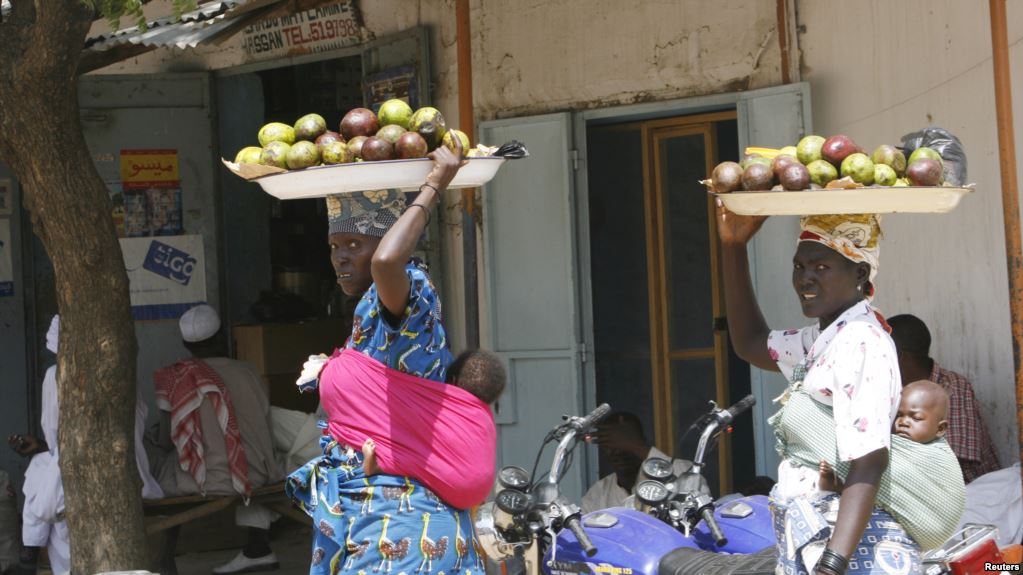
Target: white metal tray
x: 321, y: 181
x: 871, y: 200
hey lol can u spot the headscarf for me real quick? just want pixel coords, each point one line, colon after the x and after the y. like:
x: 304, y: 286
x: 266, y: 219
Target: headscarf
x: 368, y: 213
x: 854, y: 236
x: 53, y: 334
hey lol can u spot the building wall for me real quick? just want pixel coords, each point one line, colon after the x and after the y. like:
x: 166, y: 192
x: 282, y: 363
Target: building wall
x: 879, y: 70
x: 536, y: 57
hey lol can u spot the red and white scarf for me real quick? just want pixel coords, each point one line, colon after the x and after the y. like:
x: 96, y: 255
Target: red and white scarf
x: 181, y: 389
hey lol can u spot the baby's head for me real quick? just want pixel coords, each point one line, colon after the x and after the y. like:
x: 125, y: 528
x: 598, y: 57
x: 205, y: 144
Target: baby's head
x: 480, y: 372
x: 923, y: 412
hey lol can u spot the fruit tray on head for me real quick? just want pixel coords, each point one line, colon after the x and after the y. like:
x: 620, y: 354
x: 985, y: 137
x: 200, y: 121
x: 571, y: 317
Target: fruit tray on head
x: 863, y: 200
x: 322, y: 181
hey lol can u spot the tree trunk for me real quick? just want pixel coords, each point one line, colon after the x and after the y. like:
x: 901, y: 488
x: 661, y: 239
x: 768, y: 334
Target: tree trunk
x: 41, y: 140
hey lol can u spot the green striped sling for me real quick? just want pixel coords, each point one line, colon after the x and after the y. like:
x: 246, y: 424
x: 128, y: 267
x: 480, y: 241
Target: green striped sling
x: 922, y: 486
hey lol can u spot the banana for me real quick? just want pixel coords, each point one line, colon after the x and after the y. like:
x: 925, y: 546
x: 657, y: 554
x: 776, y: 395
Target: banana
x: 769, y: 153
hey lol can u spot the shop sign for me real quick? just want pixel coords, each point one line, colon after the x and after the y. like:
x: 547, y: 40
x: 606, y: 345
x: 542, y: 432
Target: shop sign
x: 150, y: 200
x: 166, y: 276
x: 320, y: 29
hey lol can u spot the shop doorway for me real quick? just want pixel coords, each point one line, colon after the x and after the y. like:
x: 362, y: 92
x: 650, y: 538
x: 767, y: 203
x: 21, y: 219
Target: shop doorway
x: 661, y: 346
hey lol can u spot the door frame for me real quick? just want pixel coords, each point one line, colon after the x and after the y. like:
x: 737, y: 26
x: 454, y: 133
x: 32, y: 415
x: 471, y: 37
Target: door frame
x: 582, y: 120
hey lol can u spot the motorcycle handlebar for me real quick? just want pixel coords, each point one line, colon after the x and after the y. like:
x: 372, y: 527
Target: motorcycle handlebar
x: 573, y: 525
x: 715, y: 531
x: 590, y: 420
x: 742, y: 406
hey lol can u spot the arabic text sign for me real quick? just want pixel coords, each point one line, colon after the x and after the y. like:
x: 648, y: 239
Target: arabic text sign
x: 141, y: 169
x: 318, y: 30
x: 167, y: 275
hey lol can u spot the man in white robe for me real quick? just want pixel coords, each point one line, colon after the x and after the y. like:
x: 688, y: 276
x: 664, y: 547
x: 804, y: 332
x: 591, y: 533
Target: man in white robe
x: 43, y: 521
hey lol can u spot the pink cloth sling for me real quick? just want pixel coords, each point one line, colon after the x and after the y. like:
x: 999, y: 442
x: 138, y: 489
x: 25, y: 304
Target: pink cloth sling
x: 437, y: 433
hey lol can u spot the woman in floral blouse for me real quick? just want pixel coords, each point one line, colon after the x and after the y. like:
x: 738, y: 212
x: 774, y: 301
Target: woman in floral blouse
x: 846, y: 362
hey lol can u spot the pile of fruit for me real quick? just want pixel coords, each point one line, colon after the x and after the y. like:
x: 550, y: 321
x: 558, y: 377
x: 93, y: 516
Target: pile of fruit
x: 395, y: 133
x: 817, y: 163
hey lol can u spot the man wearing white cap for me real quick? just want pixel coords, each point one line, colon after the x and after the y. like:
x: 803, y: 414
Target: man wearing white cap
x: 43, y: 521
x: 216, y: 417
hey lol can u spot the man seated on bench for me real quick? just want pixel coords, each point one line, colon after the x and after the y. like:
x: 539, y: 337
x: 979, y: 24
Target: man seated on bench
x: 215, y: 432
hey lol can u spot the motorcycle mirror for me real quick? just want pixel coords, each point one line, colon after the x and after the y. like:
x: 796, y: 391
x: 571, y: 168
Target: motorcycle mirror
x: 658, y: 469
x: 513, y: 477
x: 652, y: 493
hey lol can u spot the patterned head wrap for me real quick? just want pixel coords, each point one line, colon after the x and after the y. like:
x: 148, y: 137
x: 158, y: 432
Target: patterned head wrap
x: 367, y: 213
x: 854, y: 236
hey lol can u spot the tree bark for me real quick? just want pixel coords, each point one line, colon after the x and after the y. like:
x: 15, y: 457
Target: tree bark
x: 41, y: 141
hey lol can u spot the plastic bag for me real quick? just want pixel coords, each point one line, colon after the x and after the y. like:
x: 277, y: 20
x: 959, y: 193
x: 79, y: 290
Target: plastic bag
x: 945, y: 143
x: 513, y: 150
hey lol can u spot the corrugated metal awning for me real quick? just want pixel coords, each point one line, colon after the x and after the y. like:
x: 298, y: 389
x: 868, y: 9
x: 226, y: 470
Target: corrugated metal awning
x: 192, y: 29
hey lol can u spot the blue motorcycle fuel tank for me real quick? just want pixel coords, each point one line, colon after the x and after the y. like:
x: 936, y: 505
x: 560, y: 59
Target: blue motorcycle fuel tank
x: 746, y: 522
x: 628, y: 542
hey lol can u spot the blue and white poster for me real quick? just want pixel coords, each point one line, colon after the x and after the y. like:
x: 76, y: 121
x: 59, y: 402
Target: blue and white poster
x: 167, y: 275
x: 6, y: 266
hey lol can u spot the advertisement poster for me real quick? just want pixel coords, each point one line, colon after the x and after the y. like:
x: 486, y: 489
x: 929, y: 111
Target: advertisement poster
x: 400, y: 83
x: 6, y: 197
x: 6, y: 266
x: 317, y: 30
x: 167, y: 275
x: 151, y: 187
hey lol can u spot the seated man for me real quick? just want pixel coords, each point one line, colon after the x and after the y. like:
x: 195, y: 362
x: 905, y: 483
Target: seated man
x: 215, y: 432
x: 623, y: 444
x: 967, y: 435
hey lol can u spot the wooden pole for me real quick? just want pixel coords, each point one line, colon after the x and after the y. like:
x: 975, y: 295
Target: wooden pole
x: 467, y: 124
x: 1010, y: 193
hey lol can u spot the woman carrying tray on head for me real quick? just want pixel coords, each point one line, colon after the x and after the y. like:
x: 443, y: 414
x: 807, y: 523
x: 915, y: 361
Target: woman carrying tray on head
x: 388, y: 384
x: 844, y: 390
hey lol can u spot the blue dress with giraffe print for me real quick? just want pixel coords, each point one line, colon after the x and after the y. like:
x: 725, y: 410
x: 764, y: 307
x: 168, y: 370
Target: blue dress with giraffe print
x: 381, y: 523
x: 386, y: 523
x: 417, y: 345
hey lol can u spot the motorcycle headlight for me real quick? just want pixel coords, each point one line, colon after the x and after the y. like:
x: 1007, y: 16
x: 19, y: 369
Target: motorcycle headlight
x: 489, y: 536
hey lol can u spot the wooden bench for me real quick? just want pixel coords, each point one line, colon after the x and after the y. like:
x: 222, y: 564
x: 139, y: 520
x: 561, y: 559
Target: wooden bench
x: 170, y: 513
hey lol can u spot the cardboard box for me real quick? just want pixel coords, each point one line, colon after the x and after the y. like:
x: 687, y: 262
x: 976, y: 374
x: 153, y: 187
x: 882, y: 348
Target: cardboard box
x: 282, y: 348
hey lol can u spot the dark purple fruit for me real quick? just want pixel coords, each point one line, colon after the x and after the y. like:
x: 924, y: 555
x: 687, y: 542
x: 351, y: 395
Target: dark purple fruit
x: 727, y: 177
x: 836, y: 148
x: 794, y: 176
x: 757, y: 178
x: 359, y: 122
x: 377, y: 149
x: 411, y: 145
x: 781, y: 162
x: 924, y: 172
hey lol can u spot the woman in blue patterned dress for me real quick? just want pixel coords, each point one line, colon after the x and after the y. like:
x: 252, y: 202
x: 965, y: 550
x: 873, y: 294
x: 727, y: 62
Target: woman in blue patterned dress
x: 385, y: 523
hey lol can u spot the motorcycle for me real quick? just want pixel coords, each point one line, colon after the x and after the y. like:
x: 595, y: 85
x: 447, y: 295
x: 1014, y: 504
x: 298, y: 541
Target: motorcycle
x: 681, y: 532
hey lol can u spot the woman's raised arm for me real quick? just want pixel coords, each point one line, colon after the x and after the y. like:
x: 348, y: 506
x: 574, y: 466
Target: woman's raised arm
x: 397, y: 245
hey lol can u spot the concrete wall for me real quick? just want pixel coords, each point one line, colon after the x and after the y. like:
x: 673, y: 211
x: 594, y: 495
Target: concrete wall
x: 879, y: 70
